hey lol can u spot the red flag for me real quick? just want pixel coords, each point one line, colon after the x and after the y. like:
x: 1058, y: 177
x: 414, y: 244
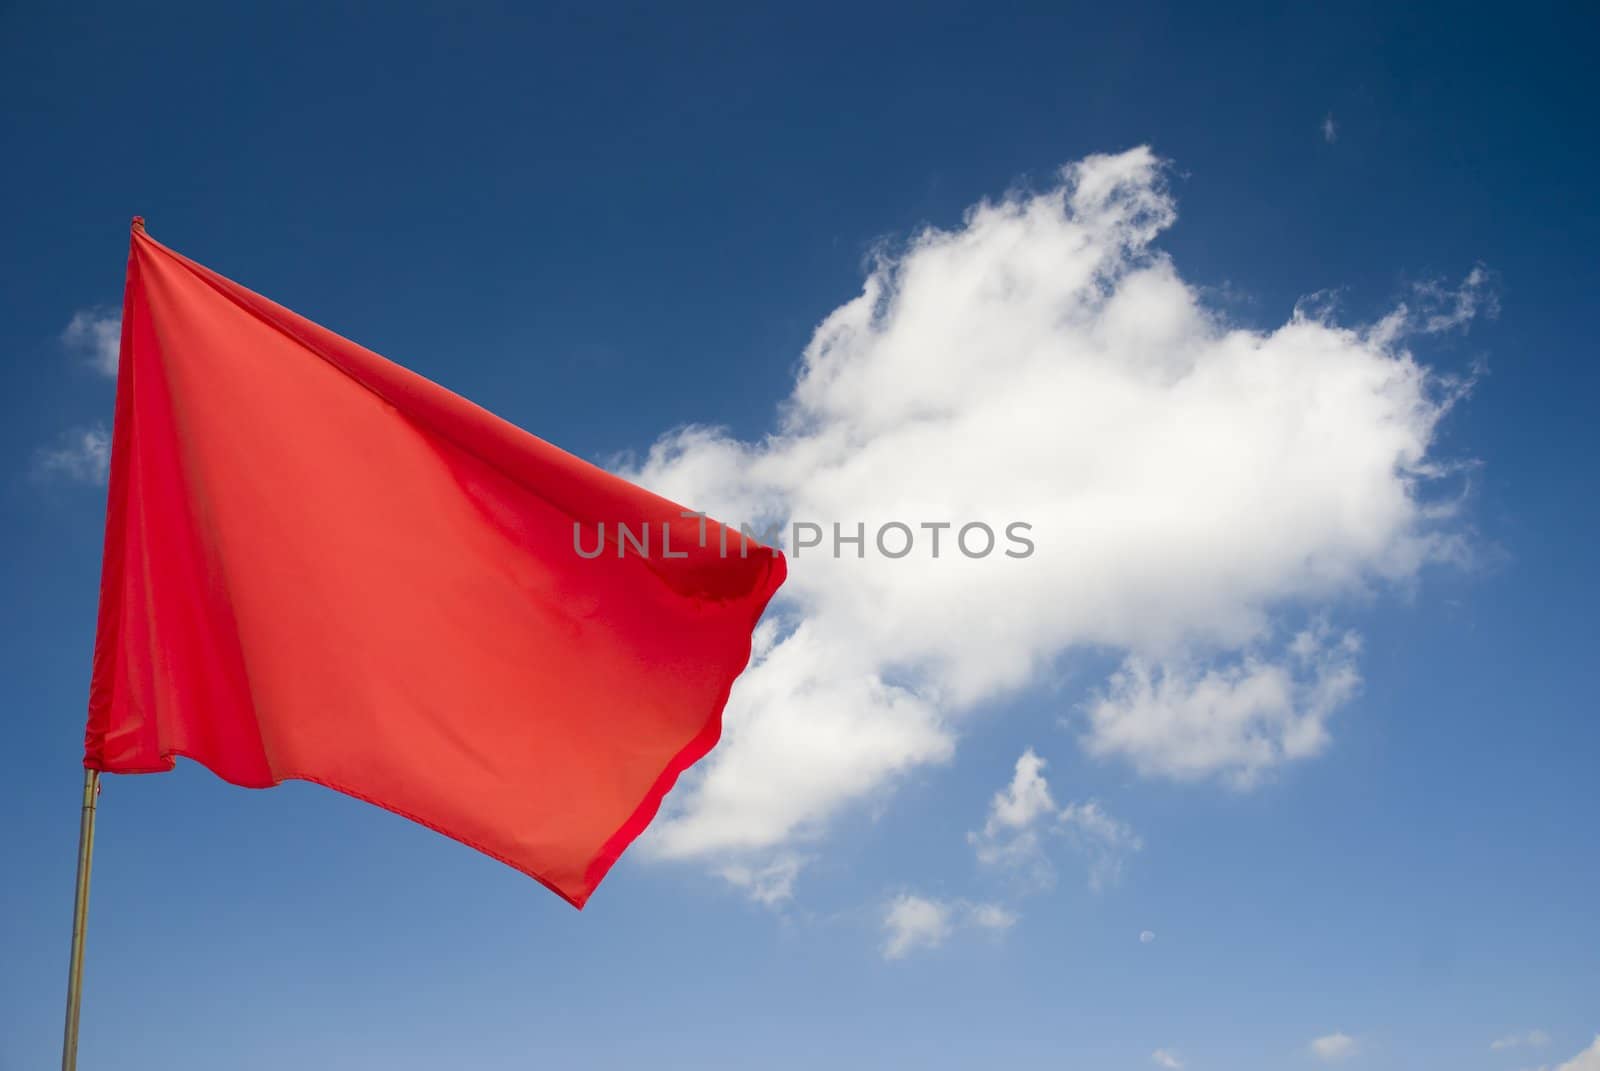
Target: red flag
x: 321, y: 566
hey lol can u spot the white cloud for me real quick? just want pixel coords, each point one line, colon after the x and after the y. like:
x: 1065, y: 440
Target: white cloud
x: 1024, y: 800
x: 1333, y: 1047
x: 1146, y: 936
x: 1192, y: 487
x: 912, y: 922
x: 1166, y: 1058
x: 1532, y: 1039
x: 1330, y: 130
x: 84, y: 456
x: 1025, y: 808
x: 1587, y: 1060
x: 97, y: 334
x: 993, y: 917
x: 1104, y: 840
x: 1436, y: 308
x: 770, y: 884
x: 1184, y: 720
x: 1010, y: 836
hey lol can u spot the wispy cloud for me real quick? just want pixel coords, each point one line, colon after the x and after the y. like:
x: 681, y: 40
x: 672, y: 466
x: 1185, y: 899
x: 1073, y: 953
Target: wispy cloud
x: 913, y: 922
x: 1532, y: 1039
x: 1435, y: 308
x: 770, y: 884
x: 95, y: 333
x: 1106, y: 842
x: 1186, y: 720
x: 82, y: 456
x: 1166, y: 1058
x: 1330, y: 129
x: 993, y: 917
x: 1024, y: 812
x: 1010, y: 833
x: 1334, y: 1047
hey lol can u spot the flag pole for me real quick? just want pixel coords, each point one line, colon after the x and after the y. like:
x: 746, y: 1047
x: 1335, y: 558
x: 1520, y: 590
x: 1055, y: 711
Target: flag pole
x: 80, y: 903
x: 80, y: 919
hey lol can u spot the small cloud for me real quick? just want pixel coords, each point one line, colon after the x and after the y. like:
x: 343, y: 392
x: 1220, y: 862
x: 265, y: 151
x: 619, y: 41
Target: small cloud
x: 913, y: 922
x: 1166, y: 1058
x: 1025, y: 799
x: 1146, y: 936
x: 770, y: 884
x: 1533, y: 1039
x: 1333, y: 1047
x: 97, y: 334
x: 993, y: 917
x: 1436, y: 308
x: 1106, y: 841
x: 1448, y: 308
x: 1330, y: 129
x: 84, y: 456
x: 1011, y: 835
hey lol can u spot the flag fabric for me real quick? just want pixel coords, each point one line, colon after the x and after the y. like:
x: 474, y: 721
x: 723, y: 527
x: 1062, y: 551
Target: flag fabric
x: 321, y: 566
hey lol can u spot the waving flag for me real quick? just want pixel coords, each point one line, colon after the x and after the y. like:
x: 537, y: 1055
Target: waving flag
x: 321, y: 566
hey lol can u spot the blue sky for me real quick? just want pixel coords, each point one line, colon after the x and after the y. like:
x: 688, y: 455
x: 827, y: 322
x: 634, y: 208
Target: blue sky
x: 607, y: 224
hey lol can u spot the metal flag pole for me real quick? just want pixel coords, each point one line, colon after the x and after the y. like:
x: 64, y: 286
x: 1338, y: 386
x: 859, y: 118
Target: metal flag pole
x: 80, y: 919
